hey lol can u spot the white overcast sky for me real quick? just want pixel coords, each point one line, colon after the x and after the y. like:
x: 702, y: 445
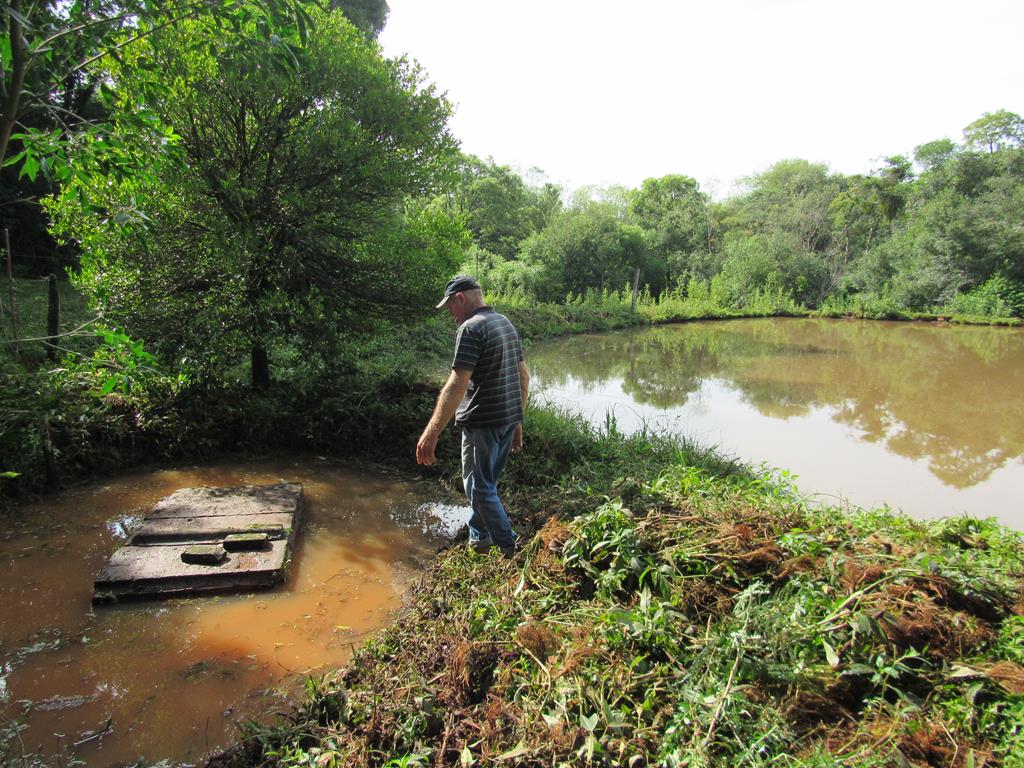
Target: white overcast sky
x: 602, y: 93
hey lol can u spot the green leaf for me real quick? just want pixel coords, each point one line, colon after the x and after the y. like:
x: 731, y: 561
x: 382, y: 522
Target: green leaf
x: 973, y: 692
x: 301, y: 20
x: 13, y: 160
x: 830, y: 654
x: 108, y: 385
x: 589, y: 722
x: 5, y: 52
x: 30, y: 168
x: 9, y: 475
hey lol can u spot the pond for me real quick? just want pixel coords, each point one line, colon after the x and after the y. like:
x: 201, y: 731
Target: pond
x: 925, y: 418
x: 171, y: 679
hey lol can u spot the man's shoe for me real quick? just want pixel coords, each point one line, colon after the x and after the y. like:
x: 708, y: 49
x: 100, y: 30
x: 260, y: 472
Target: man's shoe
x: 481, y: 546
x: 509, y: 551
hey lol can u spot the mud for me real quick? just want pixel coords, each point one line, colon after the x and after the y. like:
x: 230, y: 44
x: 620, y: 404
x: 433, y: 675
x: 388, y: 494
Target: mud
x: 172, y: 679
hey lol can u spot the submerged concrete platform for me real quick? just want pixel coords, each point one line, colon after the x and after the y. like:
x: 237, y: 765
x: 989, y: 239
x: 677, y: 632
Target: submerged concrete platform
x: 152, y: 563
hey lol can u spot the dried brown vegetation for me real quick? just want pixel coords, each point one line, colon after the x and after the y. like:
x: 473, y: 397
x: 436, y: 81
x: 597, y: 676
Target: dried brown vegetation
x: 686, y: 632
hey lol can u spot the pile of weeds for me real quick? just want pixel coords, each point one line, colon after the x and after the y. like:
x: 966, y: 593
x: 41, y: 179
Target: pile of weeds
x: 691, y: 617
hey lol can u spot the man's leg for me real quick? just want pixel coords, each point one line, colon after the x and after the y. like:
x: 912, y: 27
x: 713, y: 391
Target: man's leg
x: 485, y: 453
x: 478, y: 533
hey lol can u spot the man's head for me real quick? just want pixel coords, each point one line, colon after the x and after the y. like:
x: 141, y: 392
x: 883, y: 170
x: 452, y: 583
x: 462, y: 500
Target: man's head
x: 461, y: 296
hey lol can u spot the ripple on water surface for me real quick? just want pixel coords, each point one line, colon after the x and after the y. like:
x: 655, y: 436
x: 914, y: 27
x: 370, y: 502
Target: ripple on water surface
x: 170, y: 679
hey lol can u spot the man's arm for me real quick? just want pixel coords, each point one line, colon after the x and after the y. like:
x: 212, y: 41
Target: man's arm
x: 524, y: 389
x: 447, y: 403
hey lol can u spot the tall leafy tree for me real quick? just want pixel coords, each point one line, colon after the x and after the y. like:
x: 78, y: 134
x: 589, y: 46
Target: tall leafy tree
x: 674, y: 212
x: 502, y: 210
x: 368, y: 15
x: 57, y: 124
x: 792, y: 197
x: 961, y: 225
x: 268, y: 230
x: 50, y: 51
x: 589, y: 246
x: 996, y: 130
x: 933, y: 154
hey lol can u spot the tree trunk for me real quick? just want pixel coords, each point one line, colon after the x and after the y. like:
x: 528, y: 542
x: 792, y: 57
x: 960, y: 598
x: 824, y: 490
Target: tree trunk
x: 19, y: 64
x: 260, y: 367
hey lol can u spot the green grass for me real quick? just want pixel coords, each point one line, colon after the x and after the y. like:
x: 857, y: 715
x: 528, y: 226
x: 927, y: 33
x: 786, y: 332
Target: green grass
x: 56, y: 428
x: 673, y: 608
x: 32, y: 302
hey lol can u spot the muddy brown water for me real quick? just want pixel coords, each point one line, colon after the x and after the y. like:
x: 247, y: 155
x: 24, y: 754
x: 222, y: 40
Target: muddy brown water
x: 171, y: 679
x: 928, y: 419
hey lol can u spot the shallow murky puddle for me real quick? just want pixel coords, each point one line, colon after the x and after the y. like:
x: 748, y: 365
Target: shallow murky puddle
x: 171, y: 679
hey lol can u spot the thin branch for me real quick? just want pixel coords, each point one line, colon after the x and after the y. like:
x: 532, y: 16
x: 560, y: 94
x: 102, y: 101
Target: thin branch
x: 83, y: 26
x: 58, y: 336
x: 722, y: 698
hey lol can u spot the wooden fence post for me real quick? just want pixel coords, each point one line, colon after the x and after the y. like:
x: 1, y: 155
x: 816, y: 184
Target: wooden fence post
x: 10, y: 281
x: 636, y: 286
x: 52, y: 319
x: 49, y: 460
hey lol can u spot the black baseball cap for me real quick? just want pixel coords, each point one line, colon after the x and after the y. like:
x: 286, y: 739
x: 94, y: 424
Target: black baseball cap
x: 458, y: 284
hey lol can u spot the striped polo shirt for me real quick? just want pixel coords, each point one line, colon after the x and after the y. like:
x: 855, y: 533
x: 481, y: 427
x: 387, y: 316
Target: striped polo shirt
x: 488, y: 345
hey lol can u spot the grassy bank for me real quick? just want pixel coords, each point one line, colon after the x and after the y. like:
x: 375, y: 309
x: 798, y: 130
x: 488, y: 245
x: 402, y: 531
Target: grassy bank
x: 670, y: 608
x: 57, y: 427
x: 613, y: 310
x: 702, y: 304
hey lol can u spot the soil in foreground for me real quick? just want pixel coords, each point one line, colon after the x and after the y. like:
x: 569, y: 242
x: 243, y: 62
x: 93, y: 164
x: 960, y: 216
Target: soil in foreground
x: 690, y: 620
x: 172, y: 679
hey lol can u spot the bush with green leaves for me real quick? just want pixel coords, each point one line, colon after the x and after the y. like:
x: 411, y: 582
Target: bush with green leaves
x: 999, y: 296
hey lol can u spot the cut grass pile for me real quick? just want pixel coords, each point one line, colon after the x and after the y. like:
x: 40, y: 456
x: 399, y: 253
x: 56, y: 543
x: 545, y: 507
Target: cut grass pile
x: 687, y: 617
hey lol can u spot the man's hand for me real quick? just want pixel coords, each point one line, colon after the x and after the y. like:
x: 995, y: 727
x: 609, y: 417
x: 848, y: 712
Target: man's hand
x: 425, y: 448
x: 517, y: 438
x: 447, y: 403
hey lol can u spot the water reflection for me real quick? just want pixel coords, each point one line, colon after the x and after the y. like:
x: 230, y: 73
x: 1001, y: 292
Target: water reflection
x: 950, y: 398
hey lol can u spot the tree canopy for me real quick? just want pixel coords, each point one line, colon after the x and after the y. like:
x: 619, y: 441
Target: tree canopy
x: 283, y: 219
x: 941, y: 230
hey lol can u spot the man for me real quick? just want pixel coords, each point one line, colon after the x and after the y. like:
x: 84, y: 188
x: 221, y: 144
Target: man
x: 485, y: 392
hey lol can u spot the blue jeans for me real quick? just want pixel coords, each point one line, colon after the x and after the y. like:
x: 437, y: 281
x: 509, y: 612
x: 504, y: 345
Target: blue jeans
x: 484, y: 455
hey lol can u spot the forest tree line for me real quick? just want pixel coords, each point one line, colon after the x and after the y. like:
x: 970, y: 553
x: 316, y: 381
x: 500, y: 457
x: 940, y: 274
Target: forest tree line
x: 941, y: 229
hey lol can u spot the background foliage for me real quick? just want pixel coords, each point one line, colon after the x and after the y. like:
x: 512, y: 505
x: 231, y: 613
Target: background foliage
x: 943, y: 233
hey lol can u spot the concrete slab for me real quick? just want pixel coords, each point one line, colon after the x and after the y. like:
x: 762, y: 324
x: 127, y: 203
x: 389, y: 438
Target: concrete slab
x: 151, y: 564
